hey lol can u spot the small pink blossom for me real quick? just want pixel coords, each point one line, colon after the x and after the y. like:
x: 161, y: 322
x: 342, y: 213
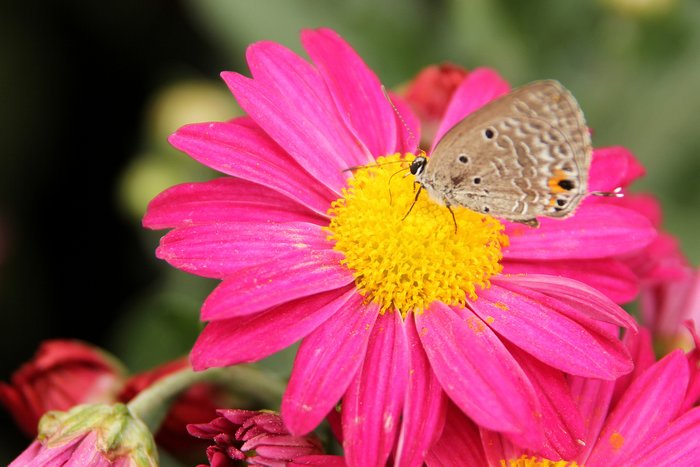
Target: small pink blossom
x: 90, y: 435
x: 259, y: 438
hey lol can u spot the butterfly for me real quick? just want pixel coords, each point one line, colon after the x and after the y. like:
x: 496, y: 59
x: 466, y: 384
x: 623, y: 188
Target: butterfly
x: 521, y: 156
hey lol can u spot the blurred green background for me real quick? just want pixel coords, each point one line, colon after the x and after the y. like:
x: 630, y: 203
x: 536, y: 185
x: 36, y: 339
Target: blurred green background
x: 89, y: 92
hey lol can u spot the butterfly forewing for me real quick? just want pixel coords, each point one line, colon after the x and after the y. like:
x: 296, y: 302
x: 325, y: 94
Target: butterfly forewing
x: 524, y: 155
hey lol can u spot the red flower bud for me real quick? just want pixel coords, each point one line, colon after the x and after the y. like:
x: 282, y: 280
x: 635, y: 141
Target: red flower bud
x: 430, y: 92
x: 62, y: 374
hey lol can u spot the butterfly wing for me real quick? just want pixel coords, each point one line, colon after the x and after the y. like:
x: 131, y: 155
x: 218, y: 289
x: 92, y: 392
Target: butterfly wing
x: 524, y: 155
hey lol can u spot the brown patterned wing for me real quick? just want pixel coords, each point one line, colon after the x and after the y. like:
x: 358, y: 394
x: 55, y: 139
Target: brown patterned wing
x: 524, y: 155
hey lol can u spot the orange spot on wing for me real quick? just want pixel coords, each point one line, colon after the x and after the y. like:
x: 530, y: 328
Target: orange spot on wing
x: 553, y: 183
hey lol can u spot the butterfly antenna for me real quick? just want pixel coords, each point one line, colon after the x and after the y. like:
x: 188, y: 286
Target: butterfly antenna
x: 391, y: 199
x: 616, y: 193
x: 398, y: 114
x: 356, y: 167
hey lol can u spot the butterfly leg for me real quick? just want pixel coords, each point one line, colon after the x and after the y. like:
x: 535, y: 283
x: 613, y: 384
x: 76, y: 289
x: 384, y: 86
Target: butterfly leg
x: 415, y: 199
x: 534, y: 223
x: 454, y: 221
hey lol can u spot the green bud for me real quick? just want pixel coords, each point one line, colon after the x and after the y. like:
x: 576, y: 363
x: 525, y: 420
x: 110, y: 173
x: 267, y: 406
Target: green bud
x: 118, y: 433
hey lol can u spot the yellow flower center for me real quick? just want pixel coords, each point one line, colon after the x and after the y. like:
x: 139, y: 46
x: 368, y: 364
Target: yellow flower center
x: 406, y: 263
x: 531, y: 461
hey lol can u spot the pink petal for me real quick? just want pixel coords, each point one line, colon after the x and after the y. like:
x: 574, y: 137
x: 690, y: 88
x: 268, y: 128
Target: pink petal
x: 564, y: 429
x: 592, y: 397
x: 597, y: 230
x: 87, y: 453
x: 425, y: 406
x: 588, y: 301
x: 692, y: 395
x: 218, y: 250
x: 642, y: 352
x: 251, y: 338
x: 610, y: 276
x: 224, y: 200
x: 478, y: 373
x: 645, y: 410
x: 665, y: 273
x: 613, y: 167
x: 325, y: 460
x: 263, y: 286
x: 290, y: 101
x: 498, y: 449
x: 38, y: 455
x: 356, y: 90
x: 327, y: 360
x: 481, y: 86
x: 533, y: 322
x: 459, y: 444
x: 679, y: 444
x: 243, y: 150
x: 26, y: 457
x: 645, y: 204
x: 372, y: 406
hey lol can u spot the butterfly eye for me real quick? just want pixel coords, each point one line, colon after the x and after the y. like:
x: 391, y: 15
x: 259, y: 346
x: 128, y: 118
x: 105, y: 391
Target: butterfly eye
x: 418, y: 165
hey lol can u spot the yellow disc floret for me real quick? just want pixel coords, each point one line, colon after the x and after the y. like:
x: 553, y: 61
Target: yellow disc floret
x: 532, y: 461
x: 406, y: 263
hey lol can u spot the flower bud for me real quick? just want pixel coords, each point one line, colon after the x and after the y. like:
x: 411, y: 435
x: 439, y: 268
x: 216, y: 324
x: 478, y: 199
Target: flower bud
x: 91, y: 434
x: 257, y: 437
x: 62, y: 374
x: 430, y: 92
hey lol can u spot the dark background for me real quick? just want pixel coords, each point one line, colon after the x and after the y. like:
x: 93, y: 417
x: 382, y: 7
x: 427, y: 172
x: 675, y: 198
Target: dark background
x: 87, y: 101
x: 75, y: 77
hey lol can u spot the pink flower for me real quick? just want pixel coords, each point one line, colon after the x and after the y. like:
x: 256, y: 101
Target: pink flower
x: 667, y: 305
x: 259, y: 438
x: 651, y: 424
x: 670, y: 286
x: 62, y: 374
x: 92, y: 435
x: 395, y: 315
x: 429, y: 94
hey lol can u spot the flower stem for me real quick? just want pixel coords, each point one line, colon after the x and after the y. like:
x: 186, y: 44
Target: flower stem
x: 151, y: 405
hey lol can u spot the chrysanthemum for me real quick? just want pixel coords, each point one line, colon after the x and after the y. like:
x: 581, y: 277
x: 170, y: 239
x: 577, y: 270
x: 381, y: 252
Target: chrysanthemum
x: 651, y: 423
x: 669, y: 285
x: 395, y: 314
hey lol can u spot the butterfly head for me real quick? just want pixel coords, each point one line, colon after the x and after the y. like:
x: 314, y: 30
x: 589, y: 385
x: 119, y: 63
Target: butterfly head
x: 418, y: 165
